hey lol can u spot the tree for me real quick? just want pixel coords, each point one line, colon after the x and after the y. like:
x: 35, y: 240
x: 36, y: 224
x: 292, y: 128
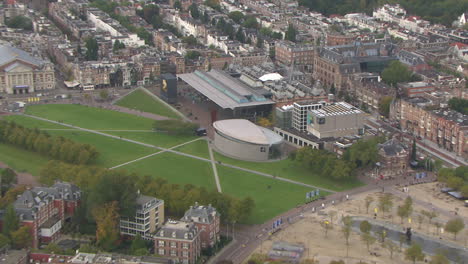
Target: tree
x: 192, y: 55
x: 391, y: 247
x: 236, y: 16
x: 385, y: 202
x: 118, y: 46
x: 368, y: 239
x: 384, y: 105
x: 264, y: 122
x: 439, y: 259
x: 113, y: 186
x: 7, y: 178
x: 4, y: 240
x: 454, y: 226
x: 291, y: 33
x: 10, y: 221
x: 194, y: 12
x: 346, y: 229
x: 240, y: 36
x: 413, y: 151
x: 104, y: 94
x: 369, y: 199
x: 397, y: 72
x: 21, y: 238
x: 107, y: 225
x: 365, y: 227
x: 20, y: 22
x: 190, y: 40
x: 405, y: 210
x: 178, y: 5
x: 137, y: 245
x: 326, y: 226
x: 250, y: 22
x: 337, y: 262
x: 459, y: 105
x: 414, y: 253
x: 92, y: 49
x: 429, y: 215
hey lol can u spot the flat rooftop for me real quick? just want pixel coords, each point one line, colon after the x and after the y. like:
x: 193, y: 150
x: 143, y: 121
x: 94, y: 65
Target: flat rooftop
x: 224, y: 90
x: 340, y: 108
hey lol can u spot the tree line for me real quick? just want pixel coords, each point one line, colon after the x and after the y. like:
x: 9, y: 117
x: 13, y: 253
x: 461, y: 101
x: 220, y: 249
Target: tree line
x: 39, y: 141
x: 361, y: 154
x: 455, y: 178
x: 115, y: 191
x: 436, y: 11
x: 459, y: 105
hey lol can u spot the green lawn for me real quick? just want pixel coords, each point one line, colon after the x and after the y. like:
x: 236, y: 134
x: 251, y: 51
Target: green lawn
x: 112, y: 151
x: 289, y: 169
x: 198, y: 148
x: 153, y: 138
x: 22, y: 160
x: 175, y: 169
x: 272, y: 197
x: 90, y: 117
x: 32, y: 123
x: 140, y: 100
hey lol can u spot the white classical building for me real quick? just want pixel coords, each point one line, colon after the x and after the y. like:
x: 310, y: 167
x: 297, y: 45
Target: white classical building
x: 21, y: 73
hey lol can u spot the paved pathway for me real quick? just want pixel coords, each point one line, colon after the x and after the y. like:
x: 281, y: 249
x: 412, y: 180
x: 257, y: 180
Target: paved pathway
x: 215, y: 171
x: 179, y: 153
x: 156, y: 153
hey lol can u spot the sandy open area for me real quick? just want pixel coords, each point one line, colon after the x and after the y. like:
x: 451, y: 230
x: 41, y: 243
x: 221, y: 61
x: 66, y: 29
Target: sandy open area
x: 309, y: 232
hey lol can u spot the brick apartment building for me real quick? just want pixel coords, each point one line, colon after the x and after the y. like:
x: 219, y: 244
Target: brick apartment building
x: 45, y: 209
x: 415, y: 89
x: 179, y: 241
x: 333, y: 64
x: 207, y: 220
x: 287, y: 52
x: 149, y: 216
x: 446, y: 128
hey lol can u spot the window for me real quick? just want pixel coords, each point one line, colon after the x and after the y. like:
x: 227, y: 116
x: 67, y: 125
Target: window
x: 186, y: 246
x: 161, y: 252
x: 161, y: 243
x: 173, y: 253
x: 173, y: 244
x: 262, y: 149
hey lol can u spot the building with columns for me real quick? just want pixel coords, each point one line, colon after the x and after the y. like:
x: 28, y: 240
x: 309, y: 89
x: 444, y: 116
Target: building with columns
x: 21, y: 73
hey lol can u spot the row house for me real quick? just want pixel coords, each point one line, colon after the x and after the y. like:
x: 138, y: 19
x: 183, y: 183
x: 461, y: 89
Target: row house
x: 166, y: 41
x: 446, y: 128
x: 45, y: 209
x: 249, y: 58
x: 390, y: 13
x: 62, y: 16
x: 368, y: 89
x: 189, y: 26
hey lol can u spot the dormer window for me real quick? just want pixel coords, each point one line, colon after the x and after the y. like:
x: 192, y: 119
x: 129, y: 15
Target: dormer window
x: 174, y: 234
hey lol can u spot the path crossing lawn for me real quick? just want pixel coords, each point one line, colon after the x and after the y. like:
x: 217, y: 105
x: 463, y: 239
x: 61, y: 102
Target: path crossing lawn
x: 112, y: 151
x: 175, y: 169
x: 272, y: 197
x: 22, y: 160
x: 32, y: 123
x: 197, y: 148
x: 153, y: 138
x: 140, y: 100
x: 90, y: 117
x: 287, y: 168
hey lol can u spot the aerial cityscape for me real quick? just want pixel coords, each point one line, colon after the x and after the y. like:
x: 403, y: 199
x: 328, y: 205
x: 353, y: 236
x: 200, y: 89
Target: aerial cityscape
x: 233, y: 131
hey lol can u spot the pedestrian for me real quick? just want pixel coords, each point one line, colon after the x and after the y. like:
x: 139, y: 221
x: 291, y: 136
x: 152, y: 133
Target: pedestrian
x: 323, y: 205
x: 347, y: 197
x: 333, y: 202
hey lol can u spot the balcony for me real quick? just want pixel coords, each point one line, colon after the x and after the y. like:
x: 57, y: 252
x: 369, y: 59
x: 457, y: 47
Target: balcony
x: 50, y: 227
